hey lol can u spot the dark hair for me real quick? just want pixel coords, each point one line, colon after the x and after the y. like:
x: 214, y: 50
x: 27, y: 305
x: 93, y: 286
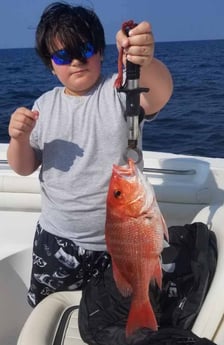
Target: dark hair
x: 72, y: 26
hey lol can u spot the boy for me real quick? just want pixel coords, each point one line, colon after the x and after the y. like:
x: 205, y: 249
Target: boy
x: 75, y: 133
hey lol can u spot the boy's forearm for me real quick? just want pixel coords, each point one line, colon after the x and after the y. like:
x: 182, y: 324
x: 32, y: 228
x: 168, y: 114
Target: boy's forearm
x: 158, y: 79
x: 21, y: 157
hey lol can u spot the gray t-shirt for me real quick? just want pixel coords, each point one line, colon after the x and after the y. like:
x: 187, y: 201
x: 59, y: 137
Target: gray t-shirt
x: 77, y: 140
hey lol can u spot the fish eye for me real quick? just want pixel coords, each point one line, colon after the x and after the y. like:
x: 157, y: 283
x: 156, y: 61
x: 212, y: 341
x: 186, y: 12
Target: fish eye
x: 117, y: 193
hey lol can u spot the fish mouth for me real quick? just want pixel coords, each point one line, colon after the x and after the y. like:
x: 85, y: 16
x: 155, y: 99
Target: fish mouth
x: 127, y: 170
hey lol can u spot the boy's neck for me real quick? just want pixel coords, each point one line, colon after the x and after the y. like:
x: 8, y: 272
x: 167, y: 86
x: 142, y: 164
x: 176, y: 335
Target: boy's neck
x: 73, y: 93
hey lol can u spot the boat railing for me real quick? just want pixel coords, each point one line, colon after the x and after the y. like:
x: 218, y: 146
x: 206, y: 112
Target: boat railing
x: 170, y: 171
x: 3, y: 161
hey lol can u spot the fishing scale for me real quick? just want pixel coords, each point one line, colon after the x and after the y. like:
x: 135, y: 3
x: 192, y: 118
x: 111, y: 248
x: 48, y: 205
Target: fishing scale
x: 134, y: 113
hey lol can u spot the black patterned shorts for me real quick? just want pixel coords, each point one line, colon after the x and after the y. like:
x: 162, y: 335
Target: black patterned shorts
x: 60, y: 265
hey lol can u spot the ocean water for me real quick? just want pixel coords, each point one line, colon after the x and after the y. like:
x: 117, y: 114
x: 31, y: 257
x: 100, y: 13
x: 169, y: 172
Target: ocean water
x: 191, y: 123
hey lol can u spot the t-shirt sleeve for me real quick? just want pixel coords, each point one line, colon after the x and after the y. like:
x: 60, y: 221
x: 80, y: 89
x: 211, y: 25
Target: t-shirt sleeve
x: 34, y: 137
x: 150, y: 117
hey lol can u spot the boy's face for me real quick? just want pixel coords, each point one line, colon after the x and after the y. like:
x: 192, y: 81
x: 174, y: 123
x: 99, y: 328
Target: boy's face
x: 78, y: 77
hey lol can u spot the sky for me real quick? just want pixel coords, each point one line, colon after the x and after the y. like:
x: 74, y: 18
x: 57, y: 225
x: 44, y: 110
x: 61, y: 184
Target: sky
x: 171, y: 20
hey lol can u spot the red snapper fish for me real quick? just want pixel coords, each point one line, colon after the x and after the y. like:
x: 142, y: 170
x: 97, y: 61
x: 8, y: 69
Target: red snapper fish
x: 135, y: 230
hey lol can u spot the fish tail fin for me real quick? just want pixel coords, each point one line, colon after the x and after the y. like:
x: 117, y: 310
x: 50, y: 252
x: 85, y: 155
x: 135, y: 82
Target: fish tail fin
x: 140, y: 315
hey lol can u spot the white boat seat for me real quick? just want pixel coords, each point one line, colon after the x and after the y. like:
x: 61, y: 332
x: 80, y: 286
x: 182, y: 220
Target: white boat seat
x: 42, y: 325
x: 54, y: 321
x: 210, y: 321
x: 12, y: 224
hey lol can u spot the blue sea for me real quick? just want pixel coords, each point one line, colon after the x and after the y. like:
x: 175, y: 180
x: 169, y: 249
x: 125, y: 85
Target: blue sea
x: 191, y: 123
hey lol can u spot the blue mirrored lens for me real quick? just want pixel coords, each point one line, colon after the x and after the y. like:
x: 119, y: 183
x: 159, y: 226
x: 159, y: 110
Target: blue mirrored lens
x: 62, y: 57
x: 88, y: 52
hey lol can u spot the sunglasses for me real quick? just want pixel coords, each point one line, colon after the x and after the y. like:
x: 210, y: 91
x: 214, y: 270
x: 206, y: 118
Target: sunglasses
x: 63, y: 57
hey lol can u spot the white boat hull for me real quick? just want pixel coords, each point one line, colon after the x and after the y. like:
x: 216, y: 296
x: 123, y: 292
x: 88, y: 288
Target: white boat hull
x: 187, y: 189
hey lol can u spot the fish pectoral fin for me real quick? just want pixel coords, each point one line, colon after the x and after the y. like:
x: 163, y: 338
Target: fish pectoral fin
x: 123, y: 286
